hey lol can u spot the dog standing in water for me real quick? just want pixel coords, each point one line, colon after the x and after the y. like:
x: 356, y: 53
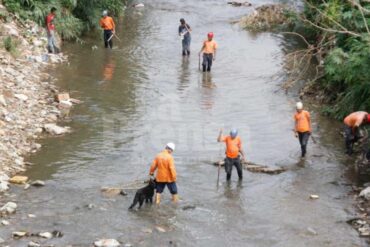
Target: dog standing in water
x: 144, y: 194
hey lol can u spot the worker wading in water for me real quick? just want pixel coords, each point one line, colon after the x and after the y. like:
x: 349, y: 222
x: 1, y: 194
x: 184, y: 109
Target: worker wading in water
x: 166, y: 173
x: 302, y: 128
x: 233, y: 152
x: 352, y: 123
x: 184, y: 33
x: 209, y: 52
x: 107, y: 23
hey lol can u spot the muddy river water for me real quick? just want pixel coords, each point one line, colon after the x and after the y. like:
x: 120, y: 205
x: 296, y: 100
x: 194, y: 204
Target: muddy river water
x: 143, y: 94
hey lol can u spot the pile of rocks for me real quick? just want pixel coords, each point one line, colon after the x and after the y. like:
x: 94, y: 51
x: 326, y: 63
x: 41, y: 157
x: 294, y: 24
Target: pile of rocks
x: 27, y: 106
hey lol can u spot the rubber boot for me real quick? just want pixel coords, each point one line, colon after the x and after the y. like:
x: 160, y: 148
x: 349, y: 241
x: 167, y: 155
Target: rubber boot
x: 157, y: 198
x: 175, y: 198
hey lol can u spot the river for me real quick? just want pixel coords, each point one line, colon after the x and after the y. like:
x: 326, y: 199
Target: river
x: 143, y: 94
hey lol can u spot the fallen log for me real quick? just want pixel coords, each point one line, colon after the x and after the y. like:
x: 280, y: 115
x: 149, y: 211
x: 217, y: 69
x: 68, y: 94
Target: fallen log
x: 252, y: 167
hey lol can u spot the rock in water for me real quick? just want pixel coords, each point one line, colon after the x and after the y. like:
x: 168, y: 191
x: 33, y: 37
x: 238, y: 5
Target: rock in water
x: 21, y: 97
x: 33, y: 244
x: 5, y: 222
x: 9, y: 208
x: 4, y: 186
x: 18, y: 180
x: 19, y: 234
x: 38, y: 183
x: 365, y: 193
x: 106, y: 243
x: 314, y: 197
x: 46, y: 235
x: 55, y: 129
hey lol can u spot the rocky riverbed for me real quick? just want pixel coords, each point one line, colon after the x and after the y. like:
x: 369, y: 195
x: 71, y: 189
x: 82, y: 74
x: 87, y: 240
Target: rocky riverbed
x: 27, y: 105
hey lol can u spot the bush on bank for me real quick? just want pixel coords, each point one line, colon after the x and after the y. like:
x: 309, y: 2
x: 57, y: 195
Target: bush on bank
x: 74, y: 16
x: 340, y: 31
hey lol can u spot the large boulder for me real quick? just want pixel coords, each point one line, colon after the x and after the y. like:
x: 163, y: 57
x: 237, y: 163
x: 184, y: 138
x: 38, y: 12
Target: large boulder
x: 365, y: 193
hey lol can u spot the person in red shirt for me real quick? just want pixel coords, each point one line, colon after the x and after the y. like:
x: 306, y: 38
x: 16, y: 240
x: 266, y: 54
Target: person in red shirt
x: 50, y: 29
x: 209, y: 52
x: 233, y: 152
x: 107, y: 23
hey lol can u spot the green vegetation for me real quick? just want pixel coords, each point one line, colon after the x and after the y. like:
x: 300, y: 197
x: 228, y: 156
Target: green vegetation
x: 11, y: 45
x: 337, y: 32
x: 74, y: 16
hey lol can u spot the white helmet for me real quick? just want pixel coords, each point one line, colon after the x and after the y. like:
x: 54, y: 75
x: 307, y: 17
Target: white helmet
x: 105, y: 13
x: 171, y: 146
x: 299, y: 105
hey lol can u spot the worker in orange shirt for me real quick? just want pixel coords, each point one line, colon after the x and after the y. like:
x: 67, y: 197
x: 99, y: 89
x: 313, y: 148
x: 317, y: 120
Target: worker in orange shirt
x: 352, y: 124
x: 233, y: 152
x: 302, y: 128
x: 50, y: 30
x: 209, y: 52
x: 107, y: 23
x: 166, y: 173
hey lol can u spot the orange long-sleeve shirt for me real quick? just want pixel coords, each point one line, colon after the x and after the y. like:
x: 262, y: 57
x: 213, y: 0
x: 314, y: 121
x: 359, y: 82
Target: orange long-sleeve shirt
x: 107, y: 23
x: 165, y: 166
x: 355, y: 119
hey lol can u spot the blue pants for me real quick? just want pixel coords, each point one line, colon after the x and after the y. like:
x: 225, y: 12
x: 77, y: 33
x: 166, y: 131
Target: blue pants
x: 171, y: 187
x: 186, y: 46
x: 207, y: 61
x: 303, y: 140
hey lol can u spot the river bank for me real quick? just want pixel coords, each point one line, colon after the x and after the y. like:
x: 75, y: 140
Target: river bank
x: 26, y: 92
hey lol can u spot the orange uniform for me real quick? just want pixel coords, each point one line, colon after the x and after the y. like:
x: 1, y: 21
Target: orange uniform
x: 355, y: 119
x: 302, y: 121
x: 107, y: 23
x: 166, y: 167
x: 233, y: 146
x: 209, y: 46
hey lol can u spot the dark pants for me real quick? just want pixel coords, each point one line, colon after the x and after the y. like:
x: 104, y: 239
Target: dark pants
x: 207, y: 61
x: 229, y: 163
x: 350, y: 138
x: 108, y: 34
x: 172, y: 187
x: 303, y: 140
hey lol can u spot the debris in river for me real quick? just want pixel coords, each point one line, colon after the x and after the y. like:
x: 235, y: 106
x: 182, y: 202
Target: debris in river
x: 31, y: 216
x: 311, y: 231
x: 314, y: 197
x: 20, y: 234
x: 188, y: 207
x: 160, y: 229
x: 266, y: 17
x: 238, y: 4
x: 8, y: 208
x: 26, y: 186
x: 62, y: 97
x: 111, y: 191
x: 33, y: 244
x: 55, y: 129
x: 5, y: 222
x: 257, y: 168
x: 18, y: 180
x: 106, y: 243
x: 46, y: 235
x: 138, y: 5
x: 38, y: 183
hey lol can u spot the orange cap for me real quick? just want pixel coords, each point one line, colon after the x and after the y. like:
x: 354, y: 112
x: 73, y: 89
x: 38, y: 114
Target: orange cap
x: 210, y: 35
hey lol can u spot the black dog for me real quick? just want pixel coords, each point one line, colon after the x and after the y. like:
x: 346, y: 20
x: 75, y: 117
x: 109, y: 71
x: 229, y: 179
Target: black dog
x: 144, y: 194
